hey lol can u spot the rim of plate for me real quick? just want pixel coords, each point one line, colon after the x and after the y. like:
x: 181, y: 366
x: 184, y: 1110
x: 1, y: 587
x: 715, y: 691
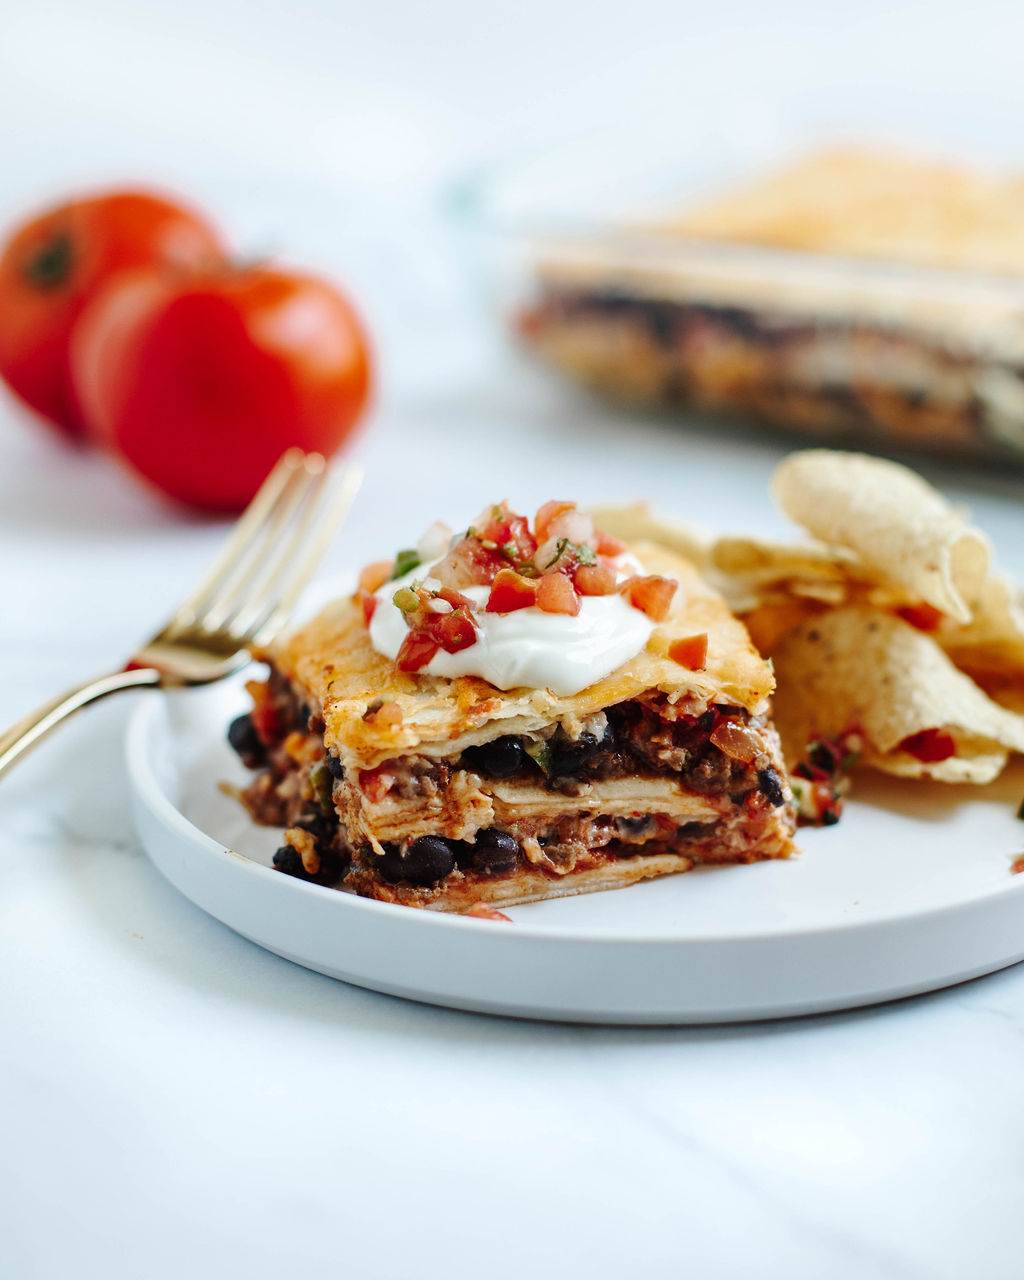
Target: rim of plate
x: 143, y: 779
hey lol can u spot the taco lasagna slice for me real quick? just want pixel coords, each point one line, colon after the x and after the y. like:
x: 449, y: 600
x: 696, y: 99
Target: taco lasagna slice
x: 517, y: 713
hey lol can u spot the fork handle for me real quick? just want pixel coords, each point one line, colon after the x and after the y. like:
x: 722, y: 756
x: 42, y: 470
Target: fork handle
x: 23, y: 736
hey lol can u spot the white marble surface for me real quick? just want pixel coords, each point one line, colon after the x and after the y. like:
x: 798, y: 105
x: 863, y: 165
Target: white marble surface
x: 175, y: 1102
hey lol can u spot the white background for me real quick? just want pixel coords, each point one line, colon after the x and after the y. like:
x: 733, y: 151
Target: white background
x: 175, y: 1102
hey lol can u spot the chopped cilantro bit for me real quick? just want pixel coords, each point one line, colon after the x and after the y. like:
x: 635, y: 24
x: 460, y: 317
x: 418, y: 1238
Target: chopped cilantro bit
x: 406, y: 599
x: 539, y: 753
x: 405, y: 562
x: 586, y: 554
x: 527, y: 569
x: 562, y: 544
x: 320, y: 781
x: 508, y: 550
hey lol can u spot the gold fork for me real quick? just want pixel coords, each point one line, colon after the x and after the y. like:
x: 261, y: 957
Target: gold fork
x: 245, y: 598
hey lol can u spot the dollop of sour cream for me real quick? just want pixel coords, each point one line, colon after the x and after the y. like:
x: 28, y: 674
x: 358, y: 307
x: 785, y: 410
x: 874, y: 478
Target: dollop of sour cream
x: 527, y: 648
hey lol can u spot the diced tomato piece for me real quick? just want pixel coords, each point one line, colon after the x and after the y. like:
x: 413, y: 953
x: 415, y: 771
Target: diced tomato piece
x: 556, y: 594
x: 375, y: 783
x: 484, y: 911
x: 267, y: 724
x: 492, y: 517
x: 923, y: 616
x: 929, y: 746
x: 595, y: 580
x: 388, y: 714
x: 1016, y: 866
x: 510, y: 534
x: 691, y: 652
x: 546, y: 513
x: 521, y: 538
x: 510, y: 591
x: 455, y: 598
x: 468, y: 564
x: 606, y: 545
x: 455, y: 631
x: 651, y: 595
x: 417, y: 649
x: 369, y: 605
x: 827, y: 803
x: 373, y: 576
x: 265, y: 718
x: 497, y: 531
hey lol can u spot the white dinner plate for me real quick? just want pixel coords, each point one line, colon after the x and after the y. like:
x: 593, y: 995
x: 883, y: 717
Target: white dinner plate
x: 912, y: 891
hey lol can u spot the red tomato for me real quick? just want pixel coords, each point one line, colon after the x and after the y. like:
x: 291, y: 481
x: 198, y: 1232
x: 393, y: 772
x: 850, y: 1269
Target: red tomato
x: 373, y: 576
x: 53, y: 264
x: 368, y: 604
x: 202, y: 383
x: 606, y: 545
x: 484, y: 911
x: 923, y: 616
x: 653, y: 595
x: 547, y: 513
x: 690, y: 652
x: 556, y: 594
x: 455, y: 631
x: 510, y: 591
x: 595, y: 579
x: 417, y: 650
x: 929, y: 746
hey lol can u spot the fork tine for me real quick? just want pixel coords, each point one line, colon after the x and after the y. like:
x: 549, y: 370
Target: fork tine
x: 325, y: 504
x: 236, y: 592
x: 244, y: 533
x: 274, y: 615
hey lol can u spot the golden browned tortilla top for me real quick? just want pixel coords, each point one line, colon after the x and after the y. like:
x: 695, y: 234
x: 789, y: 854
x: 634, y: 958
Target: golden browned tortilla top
x: 331, y: 659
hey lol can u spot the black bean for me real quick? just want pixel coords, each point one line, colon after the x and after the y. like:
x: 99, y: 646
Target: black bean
x: 425, y: 861
x: 498, y: 759
x: 585, y: 757
x: 319, y: 825
x: 694, y: 830
x: 633, y: 826
x: 708, y: 720
x: 493, y: 853
x: 288, y: 860
x: 332, y: 862
x: 336, y: 767
x: 771, y: 787
x: 246, y: 741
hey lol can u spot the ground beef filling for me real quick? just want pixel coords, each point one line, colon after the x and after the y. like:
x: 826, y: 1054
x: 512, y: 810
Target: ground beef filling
x: 299, y: 784
x: 633, y: 739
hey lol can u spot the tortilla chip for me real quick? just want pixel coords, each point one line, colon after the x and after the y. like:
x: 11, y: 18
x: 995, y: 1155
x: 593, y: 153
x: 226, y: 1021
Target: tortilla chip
x: 860, y: 668
x: 898, y: 525
x: 639, y: 522
x: 990, y: 648
x: 765, y: 560
x: 773, y: 619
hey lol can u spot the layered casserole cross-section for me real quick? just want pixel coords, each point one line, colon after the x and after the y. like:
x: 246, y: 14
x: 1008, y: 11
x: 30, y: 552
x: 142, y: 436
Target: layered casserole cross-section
x: 447, y: 791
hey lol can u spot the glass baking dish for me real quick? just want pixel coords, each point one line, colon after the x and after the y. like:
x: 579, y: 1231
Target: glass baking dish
x: 856, y: 351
